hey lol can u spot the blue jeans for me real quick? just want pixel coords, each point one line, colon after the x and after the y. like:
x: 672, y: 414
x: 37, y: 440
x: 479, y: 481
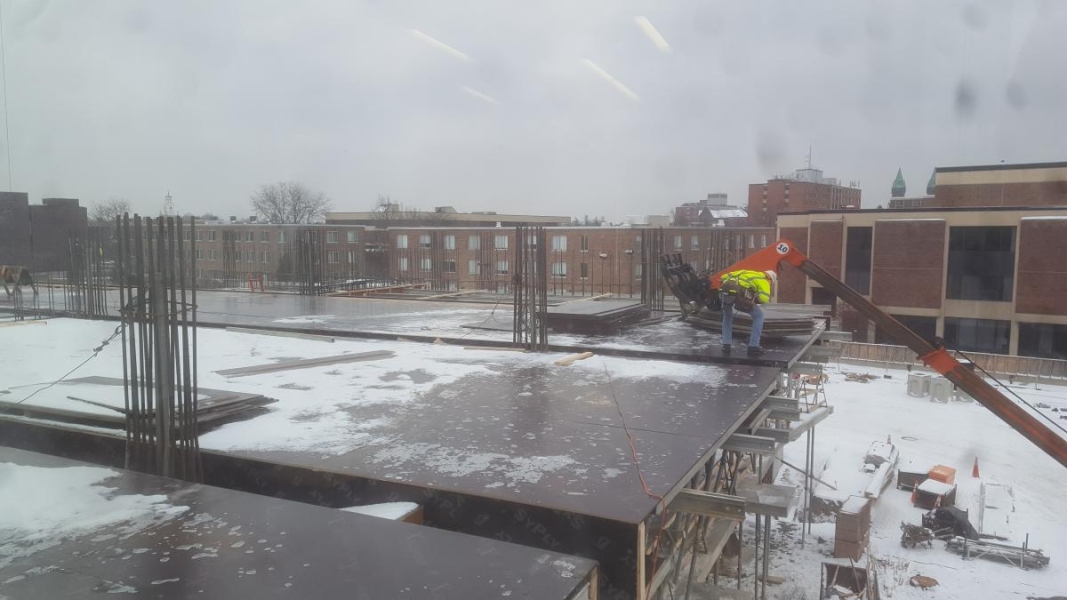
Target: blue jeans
x: 728, y: 326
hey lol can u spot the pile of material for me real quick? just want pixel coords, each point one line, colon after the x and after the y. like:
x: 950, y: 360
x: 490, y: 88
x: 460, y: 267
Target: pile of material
x: 776, y: 323
x: 597, y: 317
x: 100, y: 402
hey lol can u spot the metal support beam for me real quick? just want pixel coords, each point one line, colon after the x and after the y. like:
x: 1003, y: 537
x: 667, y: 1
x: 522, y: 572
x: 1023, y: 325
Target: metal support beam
x: 812, y: 419
x: 785, y: 414
x: 741, y: 442
x: 780, y: 436
x: 698, y: 502
x: 773, y: 402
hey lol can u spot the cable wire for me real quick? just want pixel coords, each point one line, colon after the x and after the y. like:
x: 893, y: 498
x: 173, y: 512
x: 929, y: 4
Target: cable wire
x: 1017, y: 396
x: 96, y: 352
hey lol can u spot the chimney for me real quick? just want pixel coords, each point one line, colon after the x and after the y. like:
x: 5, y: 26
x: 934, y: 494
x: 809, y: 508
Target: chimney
x: 252, y: 219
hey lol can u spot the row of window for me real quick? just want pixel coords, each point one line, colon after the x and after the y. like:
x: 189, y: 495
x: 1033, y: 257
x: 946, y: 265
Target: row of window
x: 981, y: 262
x: 333, y: 257
x: 332, y: 237
x: 558, y: 269
x: 694, y: 241
x: 1041, y: 340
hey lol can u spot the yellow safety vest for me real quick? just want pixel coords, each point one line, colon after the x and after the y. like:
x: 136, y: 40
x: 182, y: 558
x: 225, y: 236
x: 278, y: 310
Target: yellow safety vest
x: 752, y: 280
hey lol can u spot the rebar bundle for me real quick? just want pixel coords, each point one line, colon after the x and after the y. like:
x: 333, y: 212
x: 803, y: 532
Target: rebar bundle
x: 530, y: 287
x: 158, y: 299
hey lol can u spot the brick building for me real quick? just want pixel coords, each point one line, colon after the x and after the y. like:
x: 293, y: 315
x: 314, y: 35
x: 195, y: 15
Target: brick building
x: 38, y: 235
x: 582, y: 260
x: 713, y: 211
x: 806, y: 189
x: 1033, y: 184
x: 392, y: 215
x: 987, y: 279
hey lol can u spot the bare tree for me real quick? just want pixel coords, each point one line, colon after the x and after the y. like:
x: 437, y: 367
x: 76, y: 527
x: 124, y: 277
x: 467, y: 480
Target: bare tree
x: 387, y: 212
x: 289, y: 202
x: 106, y: 210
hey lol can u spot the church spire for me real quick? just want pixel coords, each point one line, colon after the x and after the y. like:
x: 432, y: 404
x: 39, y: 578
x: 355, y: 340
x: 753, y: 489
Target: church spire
x: 931, y: 186
x: 899, y: 189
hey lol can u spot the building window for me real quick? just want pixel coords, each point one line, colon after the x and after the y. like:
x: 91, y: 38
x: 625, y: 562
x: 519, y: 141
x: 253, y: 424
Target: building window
x: 264, y: 236
x: 694, y: 242
x: 402, y: 241
x: 559, y: 242
x: 449, y: 266
x: 977, y: 335
x: 351, y: 257
x: 585, y: 243
x: 250, y: 236
x: 472, y: 266
x: 500, y: 242
x: 751, y: 240
x: 199, y: 236
x: 925, y: 327
x: 213, y: 235
x: 502, y: 267
x: 583, y: 271
x: 858, y: 258
x: 677, y: 242
x: 352, y: 236
x: 331, y: 237
x: 281, y: 237
x: 334, y: 257
x: 474, y: 243
x: 981, y: 263
x: 402, y: 263
x: 237, y: 255
x: 559, y: 269
x: 763, y: 240
x: 187, y: 235
x: 264, y: 257
x: 638, y: 271
x: 212, y: 255
x: 199, y: 254
x: 424, y: 241
x: 450, y: 244
x: 426, y: 264
x: 1043, y: 340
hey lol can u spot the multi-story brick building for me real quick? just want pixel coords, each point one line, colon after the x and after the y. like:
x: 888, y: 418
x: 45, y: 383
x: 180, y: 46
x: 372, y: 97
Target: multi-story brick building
x: 39, y: 236
x: 582, y: 260
x: 713, y: 211
x: 1033, y: 184
x: 806, y: 189
x: 989, y: 279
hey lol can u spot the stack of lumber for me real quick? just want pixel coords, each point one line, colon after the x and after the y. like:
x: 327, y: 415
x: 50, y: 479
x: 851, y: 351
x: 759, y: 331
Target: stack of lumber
x: 853, y: 528
x: 100, y: 402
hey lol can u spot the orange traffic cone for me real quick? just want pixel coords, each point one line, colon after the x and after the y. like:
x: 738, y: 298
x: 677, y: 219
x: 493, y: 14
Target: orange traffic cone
x: 974, y: 471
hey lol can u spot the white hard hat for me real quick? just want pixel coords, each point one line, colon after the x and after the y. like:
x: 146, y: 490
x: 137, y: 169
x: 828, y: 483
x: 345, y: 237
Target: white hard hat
x: 772, y: 275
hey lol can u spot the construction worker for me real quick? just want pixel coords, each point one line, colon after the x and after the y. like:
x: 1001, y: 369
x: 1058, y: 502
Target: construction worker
x: 745, y: 291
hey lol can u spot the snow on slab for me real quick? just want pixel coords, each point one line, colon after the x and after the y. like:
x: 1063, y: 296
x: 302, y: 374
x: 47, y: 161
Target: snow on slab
x: 932, y: 486
x: 40, y: 507
x: 386, y: 510
x: 928, y: 433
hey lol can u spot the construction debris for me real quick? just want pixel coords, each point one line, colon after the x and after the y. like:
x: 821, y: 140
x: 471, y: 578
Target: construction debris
x: 922, y: 581
x: 573, y: 358
x: 860, y: 377
x: 1017, y: 556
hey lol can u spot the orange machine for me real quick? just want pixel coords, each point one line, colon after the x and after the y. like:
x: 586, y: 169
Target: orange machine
x: 691, y: 289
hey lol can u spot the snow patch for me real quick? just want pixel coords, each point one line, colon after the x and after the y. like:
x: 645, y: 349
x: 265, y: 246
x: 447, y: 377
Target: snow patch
x: 40, y: 507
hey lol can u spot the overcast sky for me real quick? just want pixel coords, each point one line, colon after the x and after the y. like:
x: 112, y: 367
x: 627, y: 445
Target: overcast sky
x: 549, y: 107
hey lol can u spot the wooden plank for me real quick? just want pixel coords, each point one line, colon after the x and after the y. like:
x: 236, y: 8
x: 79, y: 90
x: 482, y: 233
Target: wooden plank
x: 285, y: 334
x: 20, y: 323
x: 781, y: 436
x: 306, y: 363
x: 573, y: 358
x: 641, y: 584
x: 449, y: 295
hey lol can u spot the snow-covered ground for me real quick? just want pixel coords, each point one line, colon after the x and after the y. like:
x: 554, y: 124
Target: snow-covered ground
x: 925, y: 432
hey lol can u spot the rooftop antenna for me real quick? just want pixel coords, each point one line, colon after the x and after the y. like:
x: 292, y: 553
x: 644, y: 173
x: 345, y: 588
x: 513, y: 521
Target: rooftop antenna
x: 809, y: 156
x: 168, y: 204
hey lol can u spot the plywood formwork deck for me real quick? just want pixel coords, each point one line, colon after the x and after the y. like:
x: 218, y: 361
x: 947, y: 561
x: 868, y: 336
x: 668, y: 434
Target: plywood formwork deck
x: 229, y: 544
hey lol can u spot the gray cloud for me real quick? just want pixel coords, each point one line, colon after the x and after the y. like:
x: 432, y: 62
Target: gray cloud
x: 211, y: 99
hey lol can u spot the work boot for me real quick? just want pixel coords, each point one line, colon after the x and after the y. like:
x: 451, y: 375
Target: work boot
x: 726, y: 348
x: 755, y: 351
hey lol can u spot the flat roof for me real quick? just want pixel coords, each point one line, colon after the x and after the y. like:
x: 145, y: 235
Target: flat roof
x: 218, y: 543
x: 1002, y: 167
x: 922, y: 209
x: 456, y: 216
